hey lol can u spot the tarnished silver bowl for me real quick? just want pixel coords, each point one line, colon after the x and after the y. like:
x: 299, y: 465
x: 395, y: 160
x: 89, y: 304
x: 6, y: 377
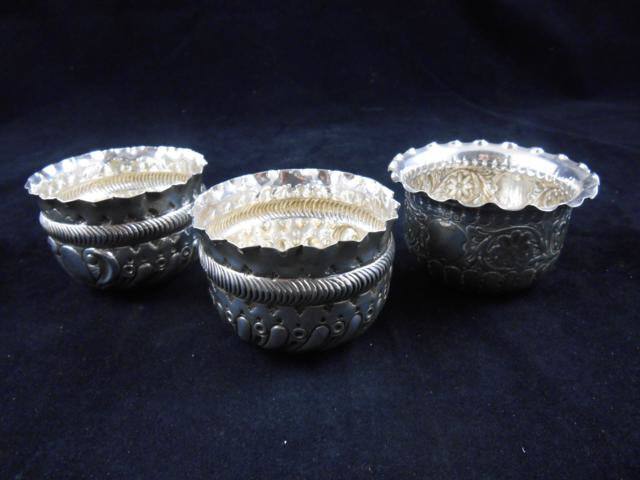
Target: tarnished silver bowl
x: 489, y: 217
x: 297, y: 260
x: 120, y: 217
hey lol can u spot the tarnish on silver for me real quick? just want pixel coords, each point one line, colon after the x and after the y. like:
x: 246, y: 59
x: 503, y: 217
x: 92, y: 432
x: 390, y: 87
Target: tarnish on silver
x: 489, y: 217
x: 297, y: 260
x: 120, y: 217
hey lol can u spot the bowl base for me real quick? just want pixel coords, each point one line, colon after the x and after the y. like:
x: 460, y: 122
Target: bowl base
x: 301, y: 329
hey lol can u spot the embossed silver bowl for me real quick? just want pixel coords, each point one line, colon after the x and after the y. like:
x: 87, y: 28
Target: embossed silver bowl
x: 120, y: 217
x: 489, y: 217
x: 297, y: 260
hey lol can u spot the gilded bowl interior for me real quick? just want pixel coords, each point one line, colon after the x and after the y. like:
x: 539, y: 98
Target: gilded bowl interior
x: 284, y: 209
x: 115, y: 173
x: 506, y: 175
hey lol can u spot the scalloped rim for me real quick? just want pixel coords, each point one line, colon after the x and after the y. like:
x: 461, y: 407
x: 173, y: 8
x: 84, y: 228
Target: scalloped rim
x: 253, y: 187
x: 587, y: 181
x: 91, y: 165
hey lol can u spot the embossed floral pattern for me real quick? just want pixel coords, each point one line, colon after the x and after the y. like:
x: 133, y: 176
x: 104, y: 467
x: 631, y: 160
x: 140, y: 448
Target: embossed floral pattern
x: 514, y: 249
x: 461, y: 184
x: 474, y: 186
x: 500, y: 250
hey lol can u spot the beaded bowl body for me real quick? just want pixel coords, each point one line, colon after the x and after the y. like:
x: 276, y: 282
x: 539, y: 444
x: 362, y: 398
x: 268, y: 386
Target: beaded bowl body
x: 297, y: 260
x: 120, y: 217
x: 488, y: 217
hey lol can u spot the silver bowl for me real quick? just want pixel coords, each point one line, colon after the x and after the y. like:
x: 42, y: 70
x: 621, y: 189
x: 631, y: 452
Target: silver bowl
x: 489, y: 217
x: 297, y: 260
x: 120, y: 217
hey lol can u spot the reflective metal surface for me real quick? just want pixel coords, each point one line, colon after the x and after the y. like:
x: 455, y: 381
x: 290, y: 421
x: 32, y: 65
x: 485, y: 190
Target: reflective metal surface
x: 297, y: 260
x: 120, y: 217
x: 489, y: 217
x: 506, y: 175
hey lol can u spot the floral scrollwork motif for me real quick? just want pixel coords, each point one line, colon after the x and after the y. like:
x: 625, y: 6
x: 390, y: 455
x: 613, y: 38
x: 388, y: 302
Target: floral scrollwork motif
x: 464, y: 184
x: 416, y: 231
x: 558, y: 232
x: 509, y: 248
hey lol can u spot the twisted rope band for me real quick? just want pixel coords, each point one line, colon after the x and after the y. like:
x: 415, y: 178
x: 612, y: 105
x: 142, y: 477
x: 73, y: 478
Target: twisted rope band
x: 118, y: 235
x: 298, y: 291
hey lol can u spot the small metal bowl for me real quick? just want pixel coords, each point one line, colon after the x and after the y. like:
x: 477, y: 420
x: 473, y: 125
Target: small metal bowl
x: 297, y: 260
x: 120, y: 217
x: 489, y: 217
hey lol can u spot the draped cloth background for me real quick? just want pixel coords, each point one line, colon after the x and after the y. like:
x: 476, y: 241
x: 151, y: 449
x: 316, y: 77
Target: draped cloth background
x: 151, y: 384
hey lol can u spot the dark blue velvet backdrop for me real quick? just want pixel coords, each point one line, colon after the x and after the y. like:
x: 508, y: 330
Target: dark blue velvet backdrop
x: 152, y: 385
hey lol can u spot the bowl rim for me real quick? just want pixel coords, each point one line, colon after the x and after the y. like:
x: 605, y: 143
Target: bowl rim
x: 189, y: 163
x: 253, y: 184
x: 586, y: 181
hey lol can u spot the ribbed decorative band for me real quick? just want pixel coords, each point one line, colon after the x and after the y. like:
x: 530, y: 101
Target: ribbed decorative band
x: 299, y: 207
x: 298, y: 291
x: 118, y: 235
